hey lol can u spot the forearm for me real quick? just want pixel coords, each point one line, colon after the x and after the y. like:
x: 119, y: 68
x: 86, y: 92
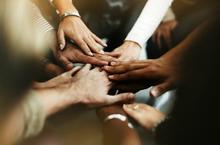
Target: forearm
x: 149, y: 19
x: 176, y: 55
x: 115, y: 131
x: 64, y: 6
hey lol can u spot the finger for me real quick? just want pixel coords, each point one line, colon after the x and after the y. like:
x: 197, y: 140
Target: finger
x: 61, y: 39
x: 70, y: 73
x: 113, y: 54
x: 97, y: 39
x: 158, y: 39
x: 105, y: 58
x: 94, y: 61
x: 66, y: 63
x: 167, y: 38
x: 139, y: 74
x: 119, y: 98
x: 132, y: 112
x: 63, y: 78
x: 53, y: 70
x: 82, y: 44
x: 93, y: 45
x: 85, y: 69
x: 133, y: 62
x: 160, y: 89
x: 123, y: 68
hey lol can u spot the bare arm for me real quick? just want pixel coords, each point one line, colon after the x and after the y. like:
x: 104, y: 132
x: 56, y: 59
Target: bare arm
x: 116, y: 131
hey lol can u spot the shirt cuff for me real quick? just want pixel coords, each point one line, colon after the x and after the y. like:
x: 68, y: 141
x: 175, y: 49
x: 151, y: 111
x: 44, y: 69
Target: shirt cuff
x: 169, y: 15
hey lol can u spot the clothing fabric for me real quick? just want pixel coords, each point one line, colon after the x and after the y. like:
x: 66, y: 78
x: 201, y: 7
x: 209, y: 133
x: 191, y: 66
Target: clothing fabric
x: 149, y: 19
x: 42, y: 23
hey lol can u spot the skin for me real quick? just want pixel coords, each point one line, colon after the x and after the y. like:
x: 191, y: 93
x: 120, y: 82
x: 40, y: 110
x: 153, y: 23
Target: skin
x: 74, y: 28
x: 70, y: 88
x: 73, y: 54
x: 129, y: 50
x: 159, y: 72
x: 115, y: 131
x: 164, y: 32
x: 61, y: 92
x: 163, y: 73
x: 147, y: 116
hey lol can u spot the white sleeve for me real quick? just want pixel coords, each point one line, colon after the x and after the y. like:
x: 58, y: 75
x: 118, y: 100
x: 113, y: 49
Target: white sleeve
x: 149, y: 19
x: 169, y: 15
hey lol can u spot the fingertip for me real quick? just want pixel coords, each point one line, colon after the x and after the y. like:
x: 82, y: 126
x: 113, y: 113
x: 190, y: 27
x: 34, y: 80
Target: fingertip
x: 69, y: 67
x: 104, y: 44
x: 111, y: 77
x: 131, y: 96
x: 62, y: 46
x: 113, y: 63
x: 106, y: 68
x: 101, y: 52
x: 154, y: 93
x: 90, y: 54
x: 125, y: 107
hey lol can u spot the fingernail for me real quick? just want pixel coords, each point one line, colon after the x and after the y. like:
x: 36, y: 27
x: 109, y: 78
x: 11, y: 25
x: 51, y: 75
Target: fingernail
x: 106, y: 67
x: 91, y: 54
x: 102, y: 52
x: 113, y: 63
x: 154, y: 93
x: 105, y: 44
x: 127, y: 106
x: 111, y: 76
x: 106, y: 63
x: 131, y: 95
x: 61, y: 46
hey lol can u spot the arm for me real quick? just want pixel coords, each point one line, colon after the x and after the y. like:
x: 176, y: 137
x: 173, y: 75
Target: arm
x: 45, y: 99
x: 149, y: 19
x: 164, y: 32
x: 116, y: 131
x: 73, y: 27
x: 164, y: 72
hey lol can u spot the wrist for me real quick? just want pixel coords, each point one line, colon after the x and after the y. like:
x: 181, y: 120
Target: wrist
x: 63, y: 6
x: 108, y: 110
x: 67, y: 15
x: 55, y: 99
x: 131, y: 44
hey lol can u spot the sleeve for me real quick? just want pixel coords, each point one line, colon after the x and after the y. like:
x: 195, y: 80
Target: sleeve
x: 149, y: 19
x: 169, y: 15
x: 40, y: 21
x: 34, y: 116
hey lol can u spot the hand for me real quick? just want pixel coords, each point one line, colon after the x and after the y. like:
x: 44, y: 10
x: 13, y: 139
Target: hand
x: 160, y: 72
x: 77, y: 87
x: 128, y: 51
x: 145, y: 115
x: 164, y: 32
x: 74, y: 28
x: 84, y: 87
x: 72, y: 54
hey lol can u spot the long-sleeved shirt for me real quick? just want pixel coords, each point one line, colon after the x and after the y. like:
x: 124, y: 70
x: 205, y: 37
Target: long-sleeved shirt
x: 149, y: 19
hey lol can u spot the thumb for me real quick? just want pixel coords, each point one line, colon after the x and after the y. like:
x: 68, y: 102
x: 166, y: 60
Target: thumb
x: 132, y: 111
x: 160, y: 89
x: 61, y: 39
x: 111, y: 99
x: 66, y: 63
